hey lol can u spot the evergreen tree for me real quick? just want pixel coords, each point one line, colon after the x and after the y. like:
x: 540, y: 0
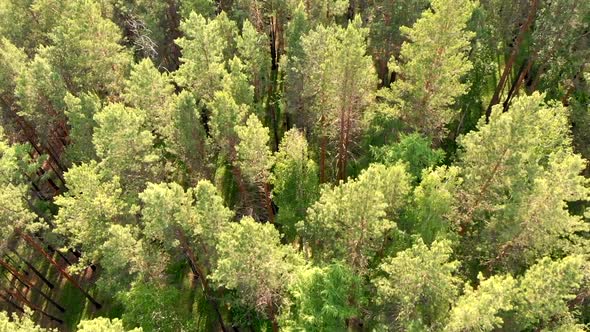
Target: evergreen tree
x: 295, y: 181
x: 255, y: 266
x: 432, y: 64
x: 85, y: 50
x: 418, y: 286
x: 480, y: 309
x: 203, y: 50
x: 356, y: 216
x: 252, y: 48
x: 518, y: 173
x: 321, y: 299
x: 125, y: 146
x: 339, y: 79
x: 88, y: 209
x: 80, y: 112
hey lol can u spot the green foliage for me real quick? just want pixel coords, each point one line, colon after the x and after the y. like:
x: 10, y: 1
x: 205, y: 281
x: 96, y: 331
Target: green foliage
x: 323, y: 299
x: 125, y: 145
x: 198, y: 213
x: 252, y: 50
x: 514, y: 193
x: 385, y: 19
x: 86, y: 50
x: 86, y: 210
x: 433, y: 61
x: 255, y: 266
x: 101, y: 324
x: 153, y: 308
x: 12, y: 63
x: 355, y: 216
x: 156, y: 118
x: 40, y: 91
x: 413, y: 149
x: 152, y: 92
x: 337, y: 104
x: 187, y: 139
x: 418, y: 286
x: 203, y: 46
x: 295, y: 181
x: 434, y: 204
x: 80, y: 112
x: 15, y: 165
x: 254, y: 156
x: 546, y: 288
x: 20, y: 324
x: 480, y: 309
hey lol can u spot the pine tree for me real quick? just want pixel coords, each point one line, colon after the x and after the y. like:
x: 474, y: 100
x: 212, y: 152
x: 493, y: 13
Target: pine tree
x: 124, y: 144
x: 93, y: 202
x: 203, y: 56
x: 254, y: 264
x: 432, y: 64
x: 385, y: 38
x: 86, y: 52
x: 356, y: 216
x: 481, y: 309
x: 151, y: 91
x: 518, y: 173
x: 252, y: 49
x: 103, y: 324
x: 80, y: 113
x: 418, y: 286
x: 295, y: 181
x: 323, y: 299
x: 340, y: 80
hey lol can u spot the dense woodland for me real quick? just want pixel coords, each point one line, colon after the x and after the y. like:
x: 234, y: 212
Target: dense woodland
x: 294, y: 165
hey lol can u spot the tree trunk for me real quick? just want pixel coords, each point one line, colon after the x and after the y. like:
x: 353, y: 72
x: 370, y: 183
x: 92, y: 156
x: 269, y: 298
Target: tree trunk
x: 323, y: 147
x: 198, y: 272
x: 65, y: 274
x: 513, y: 54
x: 31, y: 286
x: 268, y: 203
x: 37, y: 272
x: 31, y: 305
x: 522, y: 73
x: 9, y: 301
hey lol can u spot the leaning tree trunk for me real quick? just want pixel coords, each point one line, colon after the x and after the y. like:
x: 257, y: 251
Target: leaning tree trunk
x: 513, y: 54
x: 198, y: 272
x: 65, y: 274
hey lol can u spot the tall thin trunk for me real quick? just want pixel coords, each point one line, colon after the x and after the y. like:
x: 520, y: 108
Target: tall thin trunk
x: 522, y: 73
x: 31, y: 286
x: 323, y: 148
x: 37, y: 272
x: 198, y: 272
x: 513, y: 54
x: 268, y: 203
x: 65, y: 274
x: 31, y: 305
x: 9, y: 301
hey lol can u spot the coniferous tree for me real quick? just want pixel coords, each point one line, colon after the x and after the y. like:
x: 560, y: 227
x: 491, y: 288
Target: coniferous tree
x: 295, y: 181
x: 518, y: 173
x: 432, y: 64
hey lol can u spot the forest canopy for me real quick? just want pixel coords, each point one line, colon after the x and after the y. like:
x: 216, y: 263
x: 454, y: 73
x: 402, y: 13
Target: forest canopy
x: 287, y: 165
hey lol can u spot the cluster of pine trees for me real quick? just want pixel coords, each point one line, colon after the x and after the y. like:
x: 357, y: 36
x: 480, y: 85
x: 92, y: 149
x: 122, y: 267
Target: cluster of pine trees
x: 294, y: 165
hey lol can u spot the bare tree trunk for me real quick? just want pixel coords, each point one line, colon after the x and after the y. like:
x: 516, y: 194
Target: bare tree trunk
x: 31, y: 286
x: 65, y: 274
x: 198, y: 272
x: 522, y: 73
x: 31, y: 305
x: 9, y: 301
x: 513, y: 54
x: 37, y: 272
